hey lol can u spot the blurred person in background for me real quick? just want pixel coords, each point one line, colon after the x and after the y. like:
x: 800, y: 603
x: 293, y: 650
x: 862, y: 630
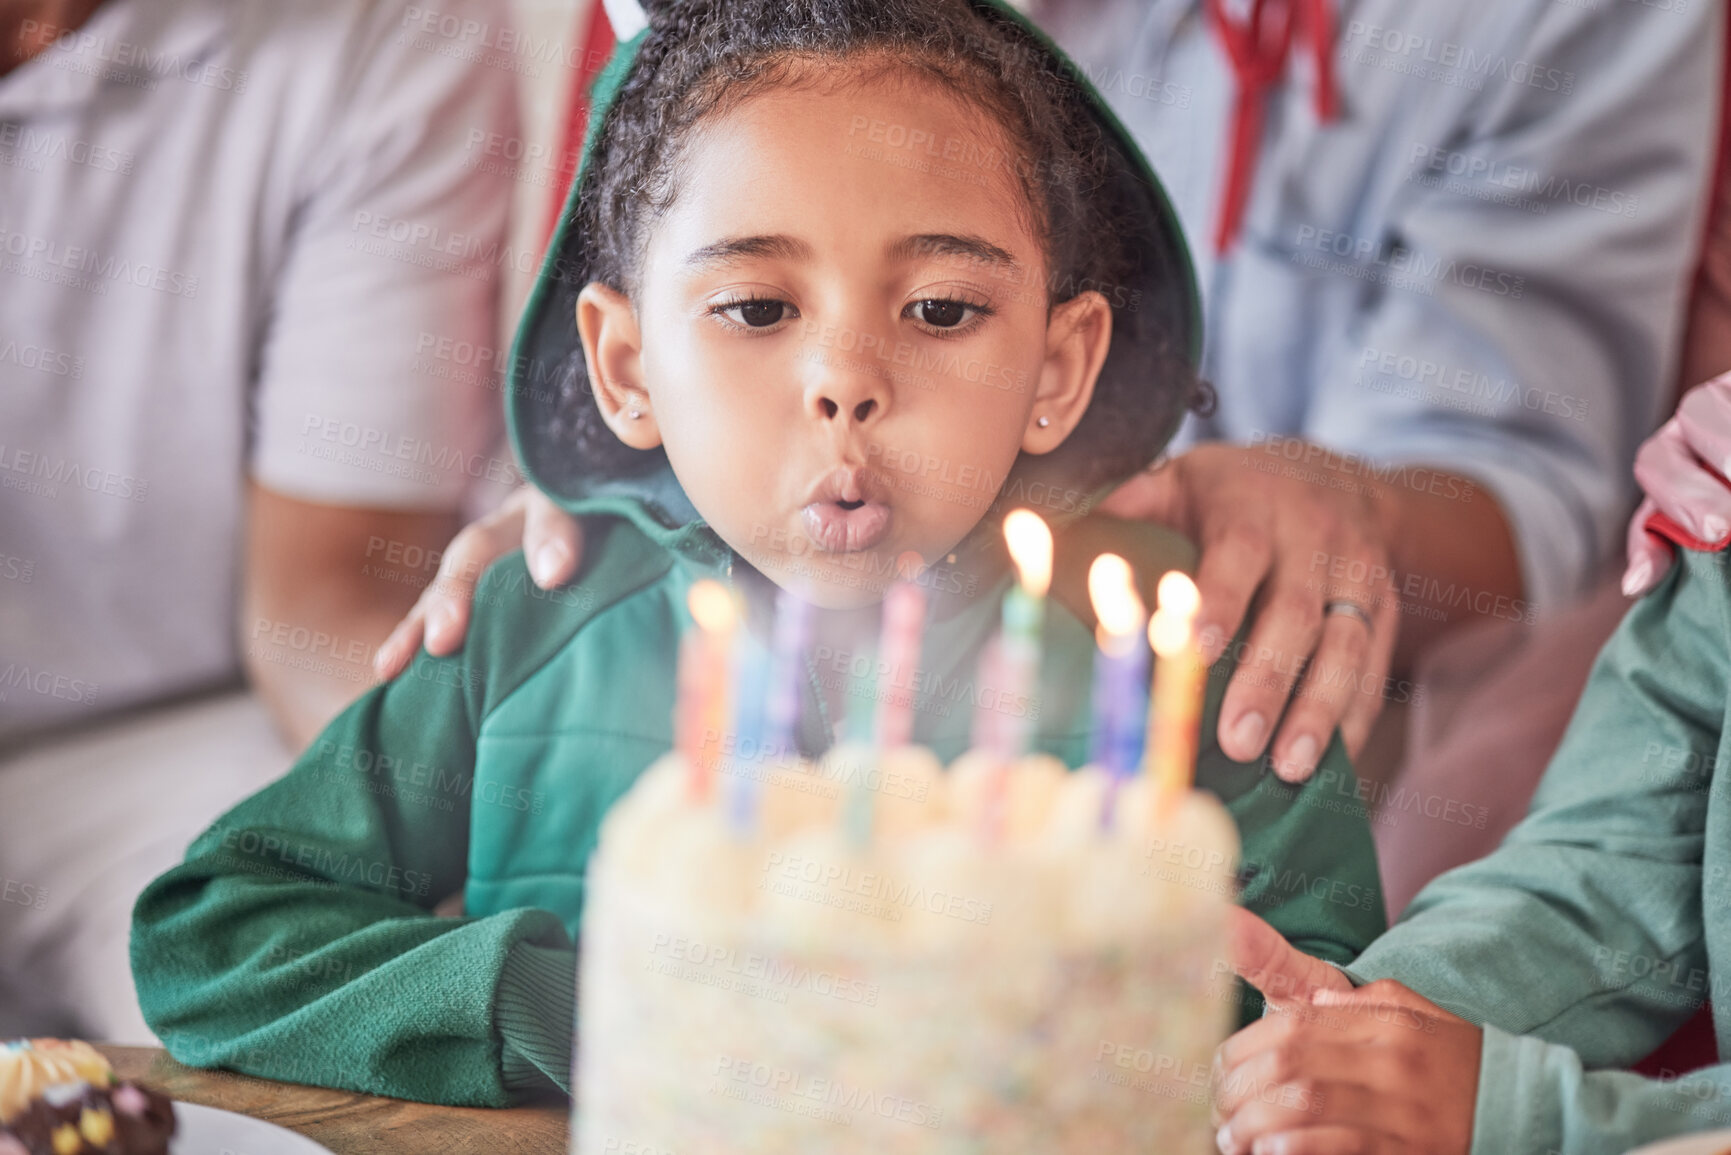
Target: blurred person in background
x: 243, y: 247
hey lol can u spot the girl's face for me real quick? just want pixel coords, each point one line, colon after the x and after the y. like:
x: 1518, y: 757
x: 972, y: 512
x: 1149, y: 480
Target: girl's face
x: 841, y: 334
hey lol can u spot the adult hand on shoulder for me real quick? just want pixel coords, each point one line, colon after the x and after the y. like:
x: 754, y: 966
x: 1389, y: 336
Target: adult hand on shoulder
x: 1303, y: 550
x: 1683, y: 469
x: 552, y: 540
x: 1332, y: 1070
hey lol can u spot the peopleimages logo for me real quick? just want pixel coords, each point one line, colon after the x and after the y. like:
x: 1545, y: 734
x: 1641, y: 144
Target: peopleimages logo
x: 89, y: 268
x: 1528, y: 186
x: 81, y: 50
x: 1390, y: 262
x: 832, y: 1100
x: 1446, y: 61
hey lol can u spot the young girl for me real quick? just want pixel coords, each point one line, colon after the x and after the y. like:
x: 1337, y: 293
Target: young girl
x: 850, y: 278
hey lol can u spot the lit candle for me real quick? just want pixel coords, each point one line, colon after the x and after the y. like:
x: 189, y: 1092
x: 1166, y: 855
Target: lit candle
x: 1180, y: 675
x: 1120, y: 671
x: 1016, y: 664
x: 707, y: 684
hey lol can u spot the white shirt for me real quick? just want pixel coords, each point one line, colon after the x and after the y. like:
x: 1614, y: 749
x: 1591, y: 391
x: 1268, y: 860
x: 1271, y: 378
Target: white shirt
x: 236, y: 238
x: 1482, y: 264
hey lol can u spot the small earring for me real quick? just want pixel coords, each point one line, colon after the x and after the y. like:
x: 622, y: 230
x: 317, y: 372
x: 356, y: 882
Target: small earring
x: 1042, y: 422
x: 633, y: 414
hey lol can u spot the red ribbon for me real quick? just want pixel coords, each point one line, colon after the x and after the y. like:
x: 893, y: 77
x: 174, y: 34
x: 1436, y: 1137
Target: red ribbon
x: 1258, y: 49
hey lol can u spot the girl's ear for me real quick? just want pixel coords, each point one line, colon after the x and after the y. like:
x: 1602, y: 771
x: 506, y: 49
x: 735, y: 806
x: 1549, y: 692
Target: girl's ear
x: 1078, y: 333
x: 613, y: 351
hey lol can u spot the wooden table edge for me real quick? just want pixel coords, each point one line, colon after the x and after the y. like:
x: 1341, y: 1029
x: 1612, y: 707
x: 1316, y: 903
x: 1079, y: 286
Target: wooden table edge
x: 347, y: 1122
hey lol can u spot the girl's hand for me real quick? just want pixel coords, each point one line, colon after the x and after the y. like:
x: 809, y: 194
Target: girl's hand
x: 1674, y: 466
x: 1336, y: 1071
x: 1284, y: 974
x: 1378, y: 1069
x: 552, y: 540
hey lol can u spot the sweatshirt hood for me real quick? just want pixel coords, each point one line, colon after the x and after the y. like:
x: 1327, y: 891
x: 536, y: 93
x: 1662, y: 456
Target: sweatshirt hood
x: 1157, y: 319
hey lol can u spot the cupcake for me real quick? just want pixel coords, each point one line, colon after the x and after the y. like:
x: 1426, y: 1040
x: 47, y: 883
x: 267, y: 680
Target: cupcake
x: 62, y: 1098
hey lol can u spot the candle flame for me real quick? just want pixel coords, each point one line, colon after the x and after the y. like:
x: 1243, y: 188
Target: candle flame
x: 1173, y: 626
x: 1113, y: 593
x: 1031, y: 549
x: 711, y: 606
x: 1178, y: 594
x: 1169, y: 633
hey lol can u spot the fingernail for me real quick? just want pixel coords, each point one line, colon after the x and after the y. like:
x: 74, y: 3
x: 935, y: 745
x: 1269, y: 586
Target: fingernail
x: 1300, y: 760
x: 549, y: 559
x: 1223, y: 1139
x: 1635, y: 581
x: 443, y: 622
x: 1713, y: 527
x: 1247, y: 735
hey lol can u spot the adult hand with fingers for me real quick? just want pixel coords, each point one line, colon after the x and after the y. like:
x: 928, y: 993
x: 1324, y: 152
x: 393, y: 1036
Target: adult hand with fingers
x: 1683, y: 468
x: 1333, y: 1070
x: 551, y: 539
x: 1309, y: 564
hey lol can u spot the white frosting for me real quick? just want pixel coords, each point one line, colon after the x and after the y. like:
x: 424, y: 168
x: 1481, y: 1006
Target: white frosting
x: 943, y: 986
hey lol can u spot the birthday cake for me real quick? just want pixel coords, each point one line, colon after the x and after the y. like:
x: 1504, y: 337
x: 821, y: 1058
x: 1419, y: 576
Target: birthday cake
x: 62, y: 1098
x: 987, y: 966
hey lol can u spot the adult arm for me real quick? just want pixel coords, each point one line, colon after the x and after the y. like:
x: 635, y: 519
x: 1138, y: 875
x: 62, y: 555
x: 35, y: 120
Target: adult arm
x: 369, y: 431
x: 319, y: 593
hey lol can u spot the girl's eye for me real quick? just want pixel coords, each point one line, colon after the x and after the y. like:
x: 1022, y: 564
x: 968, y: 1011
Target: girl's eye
x: 757, y: 313
x: 945, y: 313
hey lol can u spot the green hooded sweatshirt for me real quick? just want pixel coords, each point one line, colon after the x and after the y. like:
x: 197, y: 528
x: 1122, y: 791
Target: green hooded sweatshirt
x: 298, y: 941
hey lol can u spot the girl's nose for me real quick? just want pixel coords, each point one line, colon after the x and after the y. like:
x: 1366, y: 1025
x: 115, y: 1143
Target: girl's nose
x: 846, y: 388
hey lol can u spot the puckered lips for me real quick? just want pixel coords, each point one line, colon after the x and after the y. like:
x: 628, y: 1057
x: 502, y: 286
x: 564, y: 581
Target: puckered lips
x: 845, y: 511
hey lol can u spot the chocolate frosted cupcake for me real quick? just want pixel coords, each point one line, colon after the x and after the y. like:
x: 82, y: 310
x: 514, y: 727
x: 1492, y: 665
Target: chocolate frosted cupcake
x: 61, y: 1098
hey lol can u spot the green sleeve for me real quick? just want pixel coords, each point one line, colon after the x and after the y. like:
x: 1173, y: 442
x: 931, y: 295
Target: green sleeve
x: 1538, y: 1096
x: 1584, y: 930
x: 1308, y: 863
x: 298, y: 942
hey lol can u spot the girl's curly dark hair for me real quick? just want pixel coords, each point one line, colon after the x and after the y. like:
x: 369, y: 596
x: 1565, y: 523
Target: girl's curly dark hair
x: 703, y: 57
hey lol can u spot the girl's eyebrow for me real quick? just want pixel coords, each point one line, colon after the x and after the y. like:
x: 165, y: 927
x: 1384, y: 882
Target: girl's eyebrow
x: 731, y: 249
x: 780, y: 246
x: 951, y: 245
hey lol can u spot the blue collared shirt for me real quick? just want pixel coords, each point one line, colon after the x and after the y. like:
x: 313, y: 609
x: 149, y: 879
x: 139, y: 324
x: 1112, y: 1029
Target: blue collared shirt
x: 1482, y: 265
